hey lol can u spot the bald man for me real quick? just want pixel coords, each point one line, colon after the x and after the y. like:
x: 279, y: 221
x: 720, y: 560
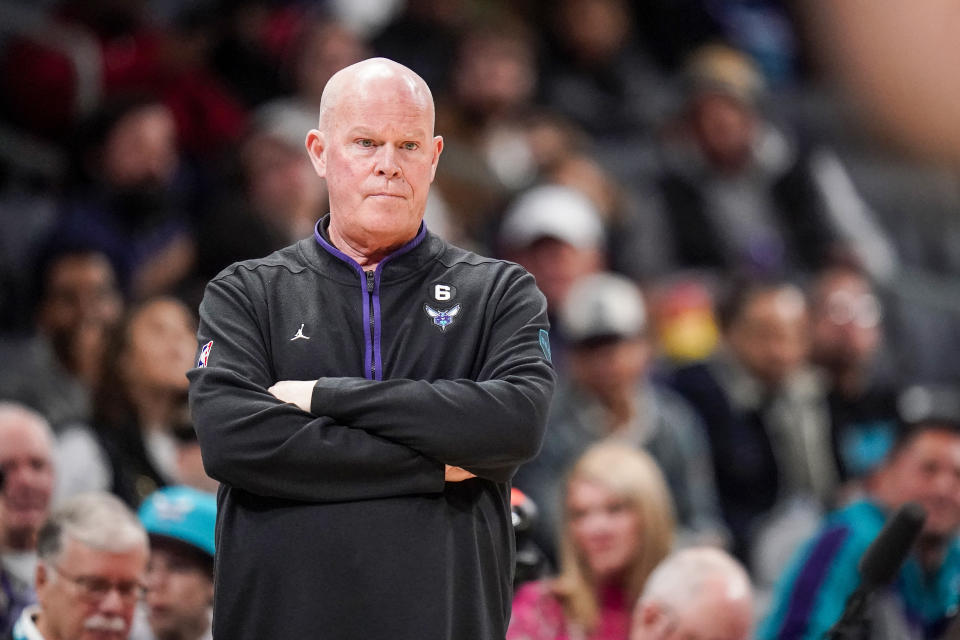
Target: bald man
x: 364, y: 397
x: 26, y: 458
x: 700, y: 593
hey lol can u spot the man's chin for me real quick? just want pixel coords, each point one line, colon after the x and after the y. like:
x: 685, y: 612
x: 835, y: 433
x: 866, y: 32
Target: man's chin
x: 105, y: 635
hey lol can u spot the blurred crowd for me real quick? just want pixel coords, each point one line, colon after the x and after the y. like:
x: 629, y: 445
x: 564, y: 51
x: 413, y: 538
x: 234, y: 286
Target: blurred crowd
x: 745, y: 289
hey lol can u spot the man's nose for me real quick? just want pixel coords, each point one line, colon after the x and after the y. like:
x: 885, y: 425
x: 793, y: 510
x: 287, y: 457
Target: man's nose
x: 387, y: 165
x: 112, y: 602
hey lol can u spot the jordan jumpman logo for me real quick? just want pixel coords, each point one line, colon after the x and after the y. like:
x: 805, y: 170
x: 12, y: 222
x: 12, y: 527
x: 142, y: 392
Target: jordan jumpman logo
x: 300, y: 334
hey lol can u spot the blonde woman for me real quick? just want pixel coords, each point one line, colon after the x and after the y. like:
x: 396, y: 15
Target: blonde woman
x: 618, y: 525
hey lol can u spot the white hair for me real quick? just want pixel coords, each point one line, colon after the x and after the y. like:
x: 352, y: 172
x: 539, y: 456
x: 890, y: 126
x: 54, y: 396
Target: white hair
x: 14, y: 412
x: 94, y: 519
x: 685, y: 575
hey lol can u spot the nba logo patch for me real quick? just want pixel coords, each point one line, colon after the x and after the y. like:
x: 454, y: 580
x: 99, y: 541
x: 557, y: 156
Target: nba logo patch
x: 204, y: 355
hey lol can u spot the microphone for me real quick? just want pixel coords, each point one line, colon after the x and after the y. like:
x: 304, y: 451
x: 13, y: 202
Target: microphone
x: 878, y: 566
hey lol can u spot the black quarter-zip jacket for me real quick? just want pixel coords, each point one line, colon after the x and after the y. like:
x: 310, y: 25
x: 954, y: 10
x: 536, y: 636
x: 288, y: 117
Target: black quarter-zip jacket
x: 337, y: 524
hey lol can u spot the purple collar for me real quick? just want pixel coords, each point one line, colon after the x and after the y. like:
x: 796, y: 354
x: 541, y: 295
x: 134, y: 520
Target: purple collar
x: 370, y: 300
x: 411, y: 245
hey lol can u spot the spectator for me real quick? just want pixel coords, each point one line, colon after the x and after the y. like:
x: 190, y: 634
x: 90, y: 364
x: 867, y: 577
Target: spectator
x: 846, y: 343
x: 180, y: 522
x: 26, y: 458
x: 142, y: 397
x: 741, y: 194
x: 695, y: 594
x: 557, y: 234
x: 252, y: 37
x: 93, y: 553
x: 129, y: 204
x: 764, y: 410
x: 423, y: 36
x: 603, y: 81
x: 90, y: 52
x: 26, y: 462
x: 487, y: 153
x: 278, y: 199
x: 78, y: 303
x: 608, y: 394
x: 617, y: 526
x: 924, y: 466
x: 324, y: 46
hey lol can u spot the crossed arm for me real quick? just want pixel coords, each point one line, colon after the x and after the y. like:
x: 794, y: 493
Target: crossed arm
x: 300, y: 393
x: 347, y: 443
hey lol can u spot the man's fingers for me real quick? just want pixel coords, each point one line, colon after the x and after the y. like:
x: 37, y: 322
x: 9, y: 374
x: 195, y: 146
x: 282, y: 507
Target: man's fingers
x: 298, y: 392
x: 456, y: 474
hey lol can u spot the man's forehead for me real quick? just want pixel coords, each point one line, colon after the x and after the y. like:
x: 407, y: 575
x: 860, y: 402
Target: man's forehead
x: 937, y: 440
x: 80, y: 556
x: 401, y: 130
x: 377, y: 83
x: 21, y: 432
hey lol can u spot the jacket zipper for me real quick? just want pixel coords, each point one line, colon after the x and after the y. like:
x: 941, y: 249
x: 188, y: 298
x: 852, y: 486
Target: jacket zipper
x: 373, y: 357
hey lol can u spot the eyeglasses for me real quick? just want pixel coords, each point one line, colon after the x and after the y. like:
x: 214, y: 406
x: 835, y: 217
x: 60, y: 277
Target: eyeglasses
x: 862, y: 310
x: 94, y: 589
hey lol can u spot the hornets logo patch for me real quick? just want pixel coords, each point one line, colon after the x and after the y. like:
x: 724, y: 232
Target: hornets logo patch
x: 442, y: 318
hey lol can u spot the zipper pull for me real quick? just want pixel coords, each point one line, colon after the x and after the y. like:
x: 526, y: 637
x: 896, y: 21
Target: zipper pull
x: 370, y: 280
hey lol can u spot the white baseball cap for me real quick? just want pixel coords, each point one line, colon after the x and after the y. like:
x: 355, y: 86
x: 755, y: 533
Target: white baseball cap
x: 552, y: 211
x: 603, y: 305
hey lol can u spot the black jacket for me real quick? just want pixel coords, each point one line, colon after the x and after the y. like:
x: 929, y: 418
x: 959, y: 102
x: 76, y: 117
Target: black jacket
x: 339, y: 524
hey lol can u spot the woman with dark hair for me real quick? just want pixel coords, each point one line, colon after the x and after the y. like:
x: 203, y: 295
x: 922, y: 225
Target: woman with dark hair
x: 142, y: 396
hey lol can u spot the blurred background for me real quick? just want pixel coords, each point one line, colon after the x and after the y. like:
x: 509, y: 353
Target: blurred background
x: 777, y: 181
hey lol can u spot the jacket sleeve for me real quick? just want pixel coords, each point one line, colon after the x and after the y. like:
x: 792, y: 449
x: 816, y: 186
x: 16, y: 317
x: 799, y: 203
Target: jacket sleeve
x: 489, y: 426
x: 809, y: 598
x: 251, y: 440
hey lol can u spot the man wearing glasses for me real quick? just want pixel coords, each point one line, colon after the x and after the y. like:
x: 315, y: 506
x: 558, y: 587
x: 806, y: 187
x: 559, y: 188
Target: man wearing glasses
x: 92, y: 558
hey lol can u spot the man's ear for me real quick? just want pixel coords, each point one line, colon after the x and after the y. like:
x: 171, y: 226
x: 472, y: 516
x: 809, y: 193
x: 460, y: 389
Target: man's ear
x: 315, y: 148
x: 40, y: 577
x: 437, y: 149
x: 649, y: 622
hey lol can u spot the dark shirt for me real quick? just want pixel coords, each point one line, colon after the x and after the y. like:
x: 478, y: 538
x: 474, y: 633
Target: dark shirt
x: 338, y: 524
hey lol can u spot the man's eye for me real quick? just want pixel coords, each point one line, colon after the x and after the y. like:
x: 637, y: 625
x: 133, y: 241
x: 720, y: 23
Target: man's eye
x: 410, y: 146
x: 365, y: 142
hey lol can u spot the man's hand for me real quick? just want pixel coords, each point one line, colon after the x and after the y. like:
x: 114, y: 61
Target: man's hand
x: 456, y: 474
x: 298, y: 392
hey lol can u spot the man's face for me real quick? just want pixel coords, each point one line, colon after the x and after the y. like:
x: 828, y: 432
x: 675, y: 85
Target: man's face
x: 81, y: 301
x: 724, y: 128
x: 141, y: 149
x: 611, y: 367
x: 378, y: 155
x: 928, y: 471
x: 179, y: 592
x: 282, y: 184
x: 89, y: 594
x: 771, y: 337
x: 556, y: 265
x: 845, y: 322
x: 27, y: 461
